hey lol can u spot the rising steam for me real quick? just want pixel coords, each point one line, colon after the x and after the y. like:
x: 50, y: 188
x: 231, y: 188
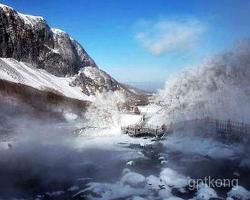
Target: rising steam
x: 219, y: 88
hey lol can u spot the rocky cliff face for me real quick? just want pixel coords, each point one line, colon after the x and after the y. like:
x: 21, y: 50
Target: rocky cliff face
x: 96, y: 80
x: 30, y: 39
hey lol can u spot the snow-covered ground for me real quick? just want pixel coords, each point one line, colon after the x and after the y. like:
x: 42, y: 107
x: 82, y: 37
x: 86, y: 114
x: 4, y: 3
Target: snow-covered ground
x: 149, y: 109
x: 130, y: 119
x: 20, y: 72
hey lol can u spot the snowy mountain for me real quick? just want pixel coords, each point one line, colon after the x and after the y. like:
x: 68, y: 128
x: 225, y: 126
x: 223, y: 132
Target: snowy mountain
x: 30, y: 39
x: 36, y: 55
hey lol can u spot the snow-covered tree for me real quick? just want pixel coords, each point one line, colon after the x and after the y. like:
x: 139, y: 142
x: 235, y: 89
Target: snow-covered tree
x: 218, y: 88
x: 104, y: 112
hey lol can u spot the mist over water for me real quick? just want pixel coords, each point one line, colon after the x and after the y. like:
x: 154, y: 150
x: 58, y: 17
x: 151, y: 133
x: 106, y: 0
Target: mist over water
x: 47, y: 157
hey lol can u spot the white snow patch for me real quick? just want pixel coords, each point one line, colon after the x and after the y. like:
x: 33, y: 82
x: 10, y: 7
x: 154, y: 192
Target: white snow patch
x: 130, y: 163
x: 149, y: 109
x: 58, y: 31
x: 134, y: 179
x: 73, y: 188
x: 172, y: 178
x: 239, y: 192
x: 165, y: 193
x: 5, y: 6
x: 154, y: 182
x: 205, y: 192
x: 163, y: 162
x: 30, y: 19
x: 70, y: 116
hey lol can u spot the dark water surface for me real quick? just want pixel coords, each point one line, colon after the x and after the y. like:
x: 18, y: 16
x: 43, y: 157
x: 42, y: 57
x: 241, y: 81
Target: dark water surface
x: 29, y: 169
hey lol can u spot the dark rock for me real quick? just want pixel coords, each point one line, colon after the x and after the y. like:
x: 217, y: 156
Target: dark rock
x: 30, y: 39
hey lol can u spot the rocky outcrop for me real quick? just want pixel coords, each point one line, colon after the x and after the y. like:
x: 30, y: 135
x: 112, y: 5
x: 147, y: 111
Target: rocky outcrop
x: 30, y: 39
x: 95, y: 80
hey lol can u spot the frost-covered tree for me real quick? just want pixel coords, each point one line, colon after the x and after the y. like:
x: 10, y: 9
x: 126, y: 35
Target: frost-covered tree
x: 104, y: 112
x: 218, y: 88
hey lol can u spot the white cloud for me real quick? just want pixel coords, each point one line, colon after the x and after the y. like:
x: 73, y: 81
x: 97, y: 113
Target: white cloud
x: 167, y: 35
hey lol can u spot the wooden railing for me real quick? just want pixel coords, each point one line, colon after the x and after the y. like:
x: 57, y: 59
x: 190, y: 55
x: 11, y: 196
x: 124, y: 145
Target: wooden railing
x: 229, y: 126
x: 139, y: 130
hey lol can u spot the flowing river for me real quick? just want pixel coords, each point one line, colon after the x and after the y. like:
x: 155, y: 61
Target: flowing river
x: 109, y: 165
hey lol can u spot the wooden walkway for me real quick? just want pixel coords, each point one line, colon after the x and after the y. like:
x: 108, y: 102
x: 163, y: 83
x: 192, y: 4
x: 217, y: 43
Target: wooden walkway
x: 225, y: 129
x: 144, y: 131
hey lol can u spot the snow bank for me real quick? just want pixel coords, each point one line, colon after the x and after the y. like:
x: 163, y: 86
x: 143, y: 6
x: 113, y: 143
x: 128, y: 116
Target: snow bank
x: 239, y: 192
x: 70, y: 116
x: 165, y: 194
x: 133, y: 179
x: 154, y: 182
x: 132, y: 185
x: 205, y: 193
x: 174, y: 179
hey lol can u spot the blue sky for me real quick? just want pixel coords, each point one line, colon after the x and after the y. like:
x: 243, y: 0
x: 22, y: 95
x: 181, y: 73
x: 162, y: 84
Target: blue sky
x: 144, y: 40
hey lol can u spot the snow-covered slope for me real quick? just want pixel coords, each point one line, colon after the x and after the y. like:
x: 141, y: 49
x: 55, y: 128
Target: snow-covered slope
x: 24, y: 73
